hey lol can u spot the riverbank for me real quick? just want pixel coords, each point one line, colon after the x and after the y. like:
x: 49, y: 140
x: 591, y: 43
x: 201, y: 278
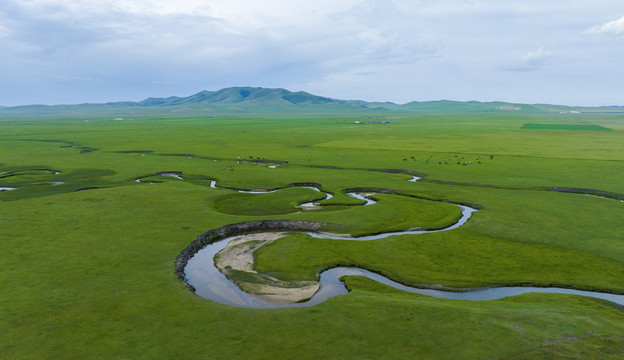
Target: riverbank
x: 238, y: 257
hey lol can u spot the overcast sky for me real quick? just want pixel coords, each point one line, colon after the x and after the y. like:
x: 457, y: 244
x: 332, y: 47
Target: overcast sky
x: 533, y: 51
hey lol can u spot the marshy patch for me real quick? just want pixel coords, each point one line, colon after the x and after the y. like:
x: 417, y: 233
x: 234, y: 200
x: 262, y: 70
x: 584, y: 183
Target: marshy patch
x: 40, y: 181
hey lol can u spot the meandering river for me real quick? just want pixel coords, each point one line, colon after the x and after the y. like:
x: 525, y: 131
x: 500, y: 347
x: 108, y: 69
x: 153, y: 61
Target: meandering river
x: 210, y: 283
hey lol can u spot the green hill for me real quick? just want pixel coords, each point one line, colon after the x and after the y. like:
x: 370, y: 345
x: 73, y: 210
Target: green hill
x: 264, y: 100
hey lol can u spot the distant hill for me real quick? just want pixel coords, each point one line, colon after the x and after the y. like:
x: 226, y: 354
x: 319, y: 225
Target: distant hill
x: 255, y: 99
x: 264, y: 100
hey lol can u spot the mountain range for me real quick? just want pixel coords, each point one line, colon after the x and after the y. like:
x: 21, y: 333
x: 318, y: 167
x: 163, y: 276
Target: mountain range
x: 264, y: 100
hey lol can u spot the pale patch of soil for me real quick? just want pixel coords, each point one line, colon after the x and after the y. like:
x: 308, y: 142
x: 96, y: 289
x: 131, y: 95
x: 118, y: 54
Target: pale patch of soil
x: 238, y: 255
x: 282, y: 296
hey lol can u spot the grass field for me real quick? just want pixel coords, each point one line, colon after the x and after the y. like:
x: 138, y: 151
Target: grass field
x: 88, y: 252
x: 564, y: 127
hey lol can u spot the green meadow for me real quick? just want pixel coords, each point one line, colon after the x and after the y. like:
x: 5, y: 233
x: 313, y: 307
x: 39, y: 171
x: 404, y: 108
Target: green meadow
x: 564, y: 127
x: 88, y: 251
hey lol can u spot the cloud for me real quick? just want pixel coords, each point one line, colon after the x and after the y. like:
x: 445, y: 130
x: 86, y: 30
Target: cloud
x: 71, y: 9
x: 531, y: 61
x: 615, y: 27
x: 536, y: 56
x: 132, y: 49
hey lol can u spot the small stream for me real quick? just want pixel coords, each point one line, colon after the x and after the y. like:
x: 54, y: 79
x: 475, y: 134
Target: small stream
x: 362, y: 197
x: 312, y: 204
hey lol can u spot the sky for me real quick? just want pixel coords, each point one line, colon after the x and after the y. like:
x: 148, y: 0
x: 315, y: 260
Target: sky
x: 568, y: 52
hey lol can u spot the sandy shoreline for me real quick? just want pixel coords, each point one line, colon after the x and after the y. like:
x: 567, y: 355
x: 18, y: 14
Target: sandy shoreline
x: 239, y: 255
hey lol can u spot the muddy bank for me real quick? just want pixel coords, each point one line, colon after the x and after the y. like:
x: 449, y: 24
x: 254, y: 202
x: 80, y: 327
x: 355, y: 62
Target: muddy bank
x: 177, y: 174
x: 237, y: 229
x: 238, y: 255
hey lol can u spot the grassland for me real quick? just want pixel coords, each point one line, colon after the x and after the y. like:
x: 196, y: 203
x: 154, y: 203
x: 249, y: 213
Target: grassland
x: 564, y: 127
x: 90, y: 273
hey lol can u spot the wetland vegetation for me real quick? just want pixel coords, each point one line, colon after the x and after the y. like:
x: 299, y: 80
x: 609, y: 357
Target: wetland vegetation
x: 89, y: 252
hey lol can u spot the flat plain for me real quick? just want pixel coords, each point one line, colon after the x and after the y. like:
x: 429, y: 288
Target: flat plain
x: 88, y: 251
